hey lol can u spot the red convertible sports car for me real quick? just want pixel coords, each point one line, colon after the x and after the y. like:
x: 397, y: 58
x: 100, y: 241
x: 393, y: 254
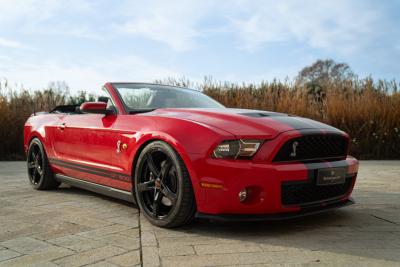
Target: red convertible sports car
x: 179, y: 154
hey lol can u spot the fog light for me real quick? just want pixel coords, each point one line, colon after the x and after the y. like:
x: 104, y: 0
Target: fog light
x: 243, y: 195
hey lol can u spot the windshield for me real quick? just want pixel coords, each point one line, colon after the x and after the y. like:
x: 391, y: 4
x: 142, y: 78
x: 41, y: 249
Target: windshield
x: 151, y: 96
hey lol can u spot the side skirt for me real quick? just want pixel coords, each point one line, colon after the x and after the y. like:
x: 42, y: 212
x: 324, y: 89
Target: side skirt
x: 97, y: 188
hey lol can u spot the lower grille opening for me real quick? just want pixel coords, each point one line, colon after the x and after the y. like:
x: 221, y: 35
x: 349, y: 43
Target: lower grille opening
x: 307, y: 193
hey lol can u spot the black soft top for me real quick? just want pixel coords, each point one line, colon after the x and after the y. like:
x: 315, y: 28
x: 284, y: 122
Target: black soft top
x: 74, y: 109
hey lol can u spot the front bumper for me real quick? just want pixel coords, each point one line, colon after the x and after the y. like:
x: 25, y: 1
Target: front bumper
x: 276, y: 216
x: 265, y: 180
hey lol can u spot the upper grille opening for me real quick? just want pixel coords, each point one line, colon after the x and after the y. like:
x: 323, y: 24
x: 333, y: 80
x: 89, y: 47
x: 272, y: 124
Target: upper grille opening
x: 313, y: 148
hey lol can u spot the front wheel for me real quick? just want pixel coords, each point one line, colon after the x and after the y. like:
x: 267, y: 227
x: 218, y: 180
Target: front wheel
x: 40, y: 174
x: 163, y: 187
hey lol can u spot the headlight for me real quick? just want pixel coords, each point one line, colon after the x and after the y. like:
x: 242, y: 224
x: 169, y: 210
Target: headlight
x: 232, y: 149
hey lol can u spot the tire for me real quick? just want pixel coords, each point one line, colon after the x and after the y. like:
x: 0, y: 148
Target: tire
x: 163, y: 186
x: 40, y: 175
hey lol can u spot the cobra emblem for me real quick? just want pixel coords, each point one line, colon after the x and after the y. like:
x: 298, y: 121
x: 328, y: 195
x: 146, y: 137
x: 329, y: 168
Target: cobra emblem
x: 294, y: 149
x: 118, y: 146
x: 121, y: 146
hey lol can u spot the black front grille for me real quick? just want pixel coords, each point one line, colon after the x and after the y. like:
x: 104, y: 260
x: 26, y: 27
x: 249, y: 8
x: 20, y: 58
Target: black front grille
x: 303, y: 193
x: 313, y: 147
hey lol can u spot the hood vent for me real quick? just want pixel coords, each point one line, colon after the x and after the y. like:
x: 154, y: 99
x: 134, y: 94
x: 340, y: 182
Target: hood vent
x: 255, y: 114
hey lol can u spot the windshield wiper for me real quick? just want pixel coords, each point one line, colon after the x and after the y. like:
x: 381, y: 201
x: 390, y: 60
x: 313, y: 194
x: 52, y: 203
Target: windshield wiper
x: 141, y: 110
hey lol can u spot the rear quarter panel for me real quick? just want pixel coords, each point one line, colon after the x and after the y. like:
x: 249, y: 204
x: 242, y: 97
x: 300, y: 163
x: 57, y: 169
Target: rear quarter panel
x: 42, y: 127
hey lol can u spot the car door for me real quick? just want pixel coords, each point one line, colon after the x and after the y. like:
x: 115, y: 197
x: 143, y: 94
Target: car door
x: 87, y: 147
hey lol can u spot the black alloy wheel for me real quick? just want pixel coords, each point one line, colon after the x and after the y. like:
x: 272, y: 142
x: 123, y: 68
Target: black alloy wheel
x: 39, y: 172
x: 162, y: 185
x: 35, y: 164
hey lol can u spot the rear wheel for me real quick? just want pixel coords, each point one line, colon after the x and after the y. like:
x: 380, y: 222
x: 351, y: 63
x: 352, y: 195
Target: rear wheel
x: 163, y: 187
x: 40, y: 174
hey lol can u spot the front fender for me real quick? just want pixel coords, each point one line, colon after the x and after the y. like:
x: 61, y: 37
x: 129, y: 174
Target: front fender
x: 149, y: 137
x: 190, y: 140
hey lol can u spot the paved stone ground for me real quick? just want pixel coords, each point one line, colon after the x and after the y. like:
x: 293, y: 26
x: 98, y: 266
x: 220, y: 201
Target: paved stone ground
x: 71, y: 227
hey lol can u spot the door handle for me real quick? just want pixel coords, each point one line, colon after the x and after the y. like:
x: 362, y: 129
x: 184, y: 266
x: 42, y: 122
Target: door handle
x: 62, y: 126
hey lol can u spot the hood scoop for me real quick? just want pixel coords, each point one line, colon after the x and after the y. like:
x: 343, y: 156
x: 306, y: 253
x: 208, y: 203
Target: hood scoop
x: 256, y: 114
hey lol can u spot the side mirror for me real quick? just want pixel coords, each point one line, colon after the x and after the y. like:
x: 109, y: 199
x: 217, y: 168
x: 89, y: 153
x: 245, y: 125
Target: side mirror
x: 94, y: 108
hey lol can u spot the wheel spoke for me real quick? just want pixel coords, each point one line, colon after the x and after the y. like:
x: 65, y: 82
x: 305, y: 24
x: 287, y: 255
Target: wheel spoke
x: 33, y: 155
x: 34, y: 175
x: 39, y: 171
x: 168, y: 193
x: 146, y: 186
x: 31, y: 165
x: 156, y: 203
x: 36, y: 152
x: 165, y: 167
x: 151, y: 165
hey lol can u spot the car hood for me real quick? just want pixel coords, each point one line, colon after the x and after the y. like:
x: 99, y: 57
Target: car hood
x: 244, y: 122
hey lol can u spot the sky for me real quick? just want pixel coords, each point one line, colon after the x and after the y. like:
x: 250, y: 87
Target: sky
x: 87, y: 43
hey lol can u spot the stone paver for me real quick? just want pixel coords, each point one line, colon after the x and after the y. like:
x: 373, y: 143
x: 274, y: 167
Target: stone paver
x: 37, y: 259
x: 26, y: 245
x: 72, y: 227
x: 64, y: 227
x: 6, y: 254
x: 365, y: 234
x: 76, y: 243
x: 128, y: 259
x: 90, y: 256
x: 102, y: 264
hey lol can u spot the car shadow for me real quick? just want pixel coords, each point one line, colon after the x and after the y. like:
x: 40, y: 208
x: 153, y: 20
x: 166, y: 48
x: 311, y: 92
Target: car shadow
x: 362, y: 230
x: 359, y: 230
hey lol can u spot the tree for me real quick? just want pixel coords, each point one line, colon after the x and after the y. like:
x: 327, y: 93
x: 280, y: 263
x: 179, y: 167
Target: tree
x: 323, y: 72
x: 317, y: 77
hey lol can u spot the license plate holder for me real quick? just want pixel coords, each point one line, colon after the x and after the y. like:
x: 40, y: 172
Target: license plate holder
x: 331, y: 176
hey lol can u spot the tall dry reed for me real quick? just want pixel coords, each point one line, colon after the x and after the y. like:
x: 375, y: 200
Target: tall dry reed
x: 369, y: 111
